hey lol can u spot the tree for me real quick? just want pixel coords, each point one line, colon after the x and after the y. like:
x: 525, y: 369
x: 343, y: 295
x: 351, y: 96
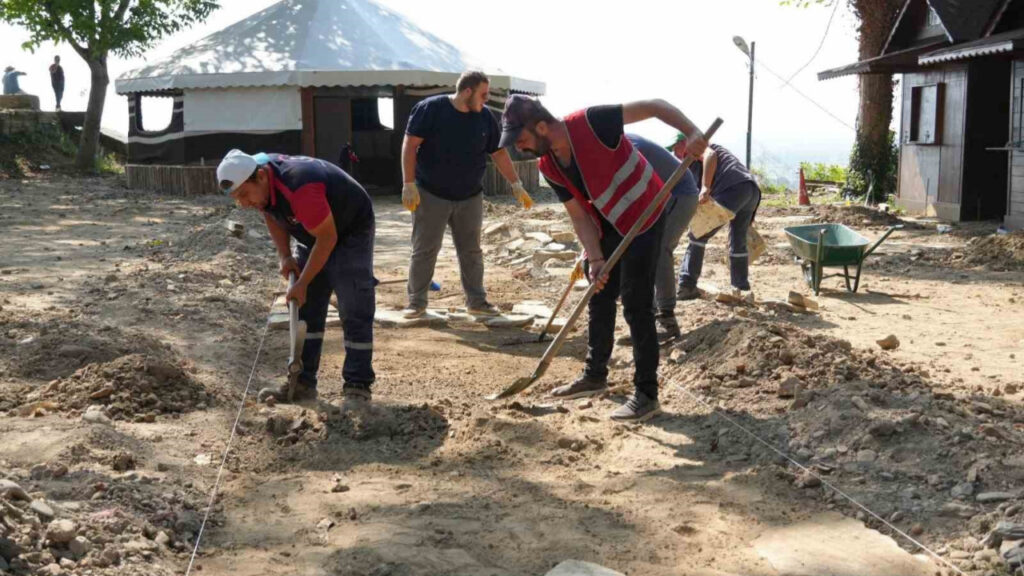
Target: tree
x: 871, y: 159
x: 96, y: 28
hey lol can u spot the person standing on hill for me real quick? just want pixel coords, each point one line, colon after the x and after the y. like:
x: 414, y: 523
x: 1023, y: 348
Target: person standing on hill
x: 57, y: 80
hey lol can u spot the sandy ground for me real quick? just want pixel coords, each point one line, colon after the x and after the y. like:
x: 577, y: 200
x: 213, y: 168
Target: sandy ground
x: 146, y: 306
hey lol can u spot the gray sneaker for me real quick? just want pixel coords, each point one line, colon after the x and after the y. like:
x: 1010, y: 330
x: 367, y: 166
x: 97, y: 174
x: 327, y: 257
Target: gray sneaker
x: 581, y: 387
x: 639, y: 408
x: 687, y: 293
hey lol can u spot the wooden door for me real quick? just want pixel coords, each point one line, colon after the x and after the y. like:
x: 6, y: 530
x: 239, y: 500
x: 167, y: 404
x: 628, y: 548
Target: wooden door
x: 332, y: 116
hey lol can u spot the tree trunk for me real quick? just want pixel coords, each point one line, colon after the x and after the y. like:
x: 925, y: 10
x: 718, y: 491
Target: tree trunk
x: 90, y: 141
x: 871, y: 157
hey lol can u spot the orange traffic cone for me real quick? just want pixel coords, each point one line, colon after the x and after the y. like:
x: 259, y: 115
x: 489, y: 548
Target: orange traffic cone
x: 804, y: 199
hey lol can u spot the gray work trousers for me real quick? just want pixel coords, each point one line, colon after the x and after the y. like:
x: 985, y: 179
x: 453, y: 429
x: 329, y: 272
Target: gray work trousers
x: 678, y: 213
x: 465, y: 217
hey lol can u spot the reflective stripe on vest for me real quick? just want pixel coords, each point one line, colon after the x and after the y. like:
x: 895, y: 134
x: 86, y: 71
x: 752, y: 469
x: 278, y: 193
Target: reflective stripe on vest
x: 620, y: 181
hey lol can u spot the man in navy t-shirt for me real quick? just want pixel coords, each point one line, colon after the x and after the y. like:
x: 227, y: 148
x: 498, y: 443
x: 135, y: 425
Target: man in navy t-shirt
x: 444, y: 156
x: 331, y: 218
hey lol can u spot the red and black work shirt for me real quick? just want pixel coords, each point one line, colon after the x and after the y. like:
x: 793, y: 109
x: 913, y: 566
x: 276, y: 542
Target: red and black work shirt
x: 305, y: 191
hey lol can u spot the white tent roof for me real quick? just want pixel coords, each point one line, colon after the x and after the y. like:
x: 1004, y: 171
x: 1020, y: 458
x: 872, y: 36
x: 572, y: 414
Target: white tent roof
x: 316, y: 43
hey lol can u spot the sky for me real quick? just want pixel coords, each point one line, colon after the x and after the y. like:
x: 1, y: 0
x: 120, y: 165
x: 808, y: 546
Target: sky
x: 587, y: 54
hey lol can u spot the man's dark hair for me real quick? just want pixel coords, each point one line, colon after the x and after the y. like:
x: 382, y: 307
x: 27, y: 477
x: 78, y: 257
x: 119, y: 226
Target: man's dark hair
x: 471, y: 79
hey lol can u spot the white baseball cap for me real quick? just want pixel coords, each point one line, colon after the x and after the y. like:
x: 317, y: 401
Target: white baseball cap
x: 234, y: 170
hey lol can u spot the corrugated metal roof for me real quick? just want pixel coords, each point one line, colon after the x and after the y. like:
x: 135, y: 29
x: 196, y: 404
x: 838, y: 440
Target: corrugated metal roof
x: 902, y: 61
x: 996, y: 44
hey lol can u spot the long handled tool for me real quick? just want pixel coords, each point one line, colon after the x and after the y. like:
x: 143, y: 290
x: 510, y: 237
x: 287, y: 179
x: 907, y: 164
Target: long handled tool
x: 297, y: 335
x: 576, y: 274
x: 549, y: 355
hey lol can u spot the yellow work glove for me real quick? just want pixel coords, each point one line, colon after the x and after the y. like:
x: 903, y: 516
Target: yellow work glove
x: 410, y: 196
x: 577, y: 272
x: 519, y: 193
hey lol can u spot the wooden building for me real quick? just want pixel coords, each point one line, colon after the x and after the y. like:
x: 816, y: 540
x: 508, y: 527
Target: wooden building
x: 300, y: 77
x: 961, y: 150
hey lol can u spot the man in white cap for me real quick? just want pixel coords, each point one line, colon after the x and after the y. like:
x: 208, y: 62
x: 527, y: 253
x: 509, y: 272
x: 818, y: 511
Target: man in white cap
x: 331, y: 218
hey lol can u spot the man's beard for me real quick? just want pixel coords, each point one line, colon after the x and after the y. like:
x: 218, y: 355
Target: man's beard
x: 543, y: 144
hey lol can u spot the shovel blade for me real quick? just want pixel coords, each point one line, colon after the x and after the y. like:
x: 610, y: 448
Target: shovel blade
x: 518, y: 386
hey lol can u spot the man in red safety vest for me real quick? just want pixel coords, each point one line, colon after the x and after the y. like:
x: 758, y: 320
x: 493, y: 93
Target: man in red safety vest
x: 606, y: 184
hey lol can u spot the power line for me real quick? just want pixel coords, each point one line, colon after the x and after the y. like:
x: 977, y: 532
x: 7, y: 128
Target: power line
x: 835, y: 7
x: 805, y: 96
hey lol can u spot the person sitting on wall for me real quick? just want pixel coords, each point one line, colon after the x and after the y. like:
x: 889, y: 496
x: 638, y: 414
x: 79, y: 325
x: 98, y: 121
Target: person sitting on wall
x: 11, y: 86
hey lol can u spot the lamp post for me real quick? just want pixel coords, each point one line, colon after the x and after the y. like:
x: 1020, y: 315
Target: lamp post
x: 742, y: 45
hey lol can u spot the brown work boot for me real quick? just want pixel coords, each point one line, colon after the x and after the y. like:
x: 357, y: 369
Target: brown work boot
x: 355, y: 398
x: 581, y: 387
x: 303, y: 393
x: 484, y: 310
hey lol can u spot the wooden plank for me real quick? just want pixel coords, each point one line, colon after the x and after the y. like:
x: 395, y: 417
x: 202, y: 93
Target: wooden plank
x: 495, y: 185
x: 950, y: 166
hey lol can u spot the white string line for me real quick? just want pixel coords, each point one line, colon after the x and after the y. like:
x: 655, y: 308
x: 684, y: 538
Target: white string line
x: 835, y: 7
x: 812, y: 473
x: 792, y: 87
x: 227, y: 448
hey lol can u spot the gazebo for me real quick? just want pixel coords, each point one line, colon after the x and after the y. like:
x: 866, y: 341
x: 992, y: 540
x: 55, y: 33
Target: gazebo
x: 300, y: 77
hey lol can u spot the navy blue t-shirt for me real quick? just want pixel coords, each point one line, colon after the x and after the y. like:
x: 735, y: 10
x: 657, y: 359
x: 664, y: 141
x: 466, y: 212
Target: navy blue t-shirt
x: 304, y: 191
x: 450, y: 162
x: 729, y: 171
x: 664, y: 164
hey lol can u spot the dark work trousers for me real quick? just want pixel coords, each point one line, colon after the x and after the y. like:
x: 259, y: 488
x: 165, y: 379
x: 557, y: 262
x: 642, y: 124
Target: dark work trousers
x: 633, y: 280
x: 349, y: 273
x: 742, y: 199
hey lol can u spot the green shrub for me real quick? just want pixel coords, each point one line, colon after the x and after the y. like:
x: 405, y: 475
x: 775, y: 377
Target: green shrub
x: 824, y: 172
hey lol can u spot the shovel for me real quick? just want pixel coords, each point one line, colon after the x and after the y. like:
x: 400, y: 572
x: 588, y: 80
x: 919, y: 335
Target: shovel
x: 297, y: 337
x: 576, y: 274
x: 549, y: 355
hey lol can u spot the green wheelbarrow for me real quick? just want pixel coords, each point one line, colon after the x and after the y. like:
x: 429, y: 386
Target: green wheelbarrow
x: 819, y: 246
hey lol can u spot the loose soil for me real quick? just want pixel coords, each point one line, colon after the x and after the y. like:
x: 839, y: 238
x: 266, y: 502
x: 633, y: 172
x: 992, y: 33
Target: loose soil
x: 147, y: 307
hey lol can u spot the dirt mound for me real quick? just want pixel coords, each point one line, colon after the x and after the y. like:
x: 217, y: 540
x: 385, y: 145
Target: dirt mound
x: 852, y: 216
x: 996, y: 251
x: 134, y: 387
x: 374, y: 421
x: 867, y: 422
x: 55, y: 348
x: 209, y: 239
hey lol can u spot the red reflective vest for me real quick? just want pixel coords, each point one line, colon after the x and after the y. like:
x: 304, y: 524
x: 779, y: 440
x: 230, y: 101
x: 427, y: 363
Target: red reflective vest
x: 619, y: 183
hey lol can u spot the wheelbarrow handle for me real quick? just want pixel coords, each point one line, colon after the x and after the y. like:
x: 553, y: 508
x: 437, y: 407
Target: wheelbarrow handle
x: 880, y: 240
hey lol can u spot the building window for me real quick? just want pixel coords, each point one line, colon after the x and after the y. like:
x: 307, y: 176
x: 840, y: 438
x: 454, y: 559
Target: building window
x: 925, y: 114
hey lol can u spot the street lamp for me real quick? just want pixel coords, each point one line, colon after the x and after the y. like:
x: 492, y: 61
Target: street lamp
x: 742, y: 45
